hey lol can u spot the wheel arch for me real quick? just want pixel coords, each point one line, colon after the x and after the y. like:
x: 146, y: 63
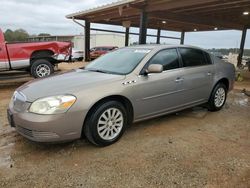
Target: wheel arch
x: 211, y: 104
x: 42, y: 54
x: 223, y: 80
x: 119, y: 98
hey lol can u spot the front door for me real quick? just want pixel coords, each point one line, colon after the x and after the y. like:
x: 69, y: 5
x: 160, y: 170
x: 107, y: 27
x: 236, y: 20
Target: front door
x: 158, y: 93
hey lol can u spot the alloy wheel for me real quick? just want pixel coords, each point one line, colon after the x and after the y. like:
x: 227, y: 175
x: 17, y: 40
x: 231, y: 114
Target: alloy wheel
x: 110, y: 124
x: 42, y: 70
x: 220, y: 97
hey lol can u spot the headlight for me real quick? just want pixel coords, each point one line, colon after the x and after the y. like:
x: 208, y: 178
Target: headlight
x: 52, y: 105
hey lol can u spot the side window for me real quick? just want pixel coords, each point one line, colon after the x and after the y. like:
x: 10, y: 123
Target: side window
x: 193, y: 57
x: 167, y: 58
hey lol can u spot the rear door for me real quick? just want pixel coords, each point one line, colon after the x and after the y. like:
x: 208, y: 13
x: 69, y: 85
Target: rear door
x: 197, y: 74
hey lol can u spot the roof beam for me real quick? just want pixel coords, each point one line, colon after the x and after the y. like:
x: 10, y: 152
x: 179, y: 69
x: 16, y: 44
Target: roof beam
x: 163, y: 5
x: 227, y: 4
x: 129, y: 18
x: 219, y: 8
x: 115, y: 14
x: 131, y: 33
x: 180, y: 25
x: 201, y: 21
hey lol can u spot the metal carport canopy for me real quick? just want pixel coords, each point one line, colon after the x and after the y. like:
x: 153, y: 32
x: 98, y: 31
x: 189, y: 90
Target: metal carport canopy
x: 181, y: 15
x: 173, y: 15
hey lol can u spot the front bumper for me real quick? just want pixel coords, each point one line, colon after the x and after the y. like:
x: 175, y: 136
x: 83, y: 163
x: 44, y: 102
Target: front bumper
x: 47, y: 128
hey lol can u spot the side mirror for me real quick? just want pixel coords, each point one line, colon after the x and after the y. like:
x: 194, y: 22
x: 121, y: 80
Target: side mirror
x: 154, y: 68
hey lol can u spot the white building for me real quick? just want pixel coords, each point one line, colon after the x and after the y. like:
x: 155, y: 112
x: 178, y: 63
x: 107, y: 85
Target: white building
x: 107, y: 39
x: 97, y: 39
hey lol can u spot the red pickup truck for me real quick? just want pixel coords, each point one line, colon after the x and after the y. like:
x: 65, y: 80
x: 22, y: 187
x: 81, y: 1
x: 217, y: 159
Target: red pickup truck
x: 37, y: 57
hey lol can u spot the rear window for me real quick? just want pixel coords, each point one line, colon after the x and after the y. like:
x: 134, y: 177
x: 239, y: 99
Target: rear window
x: 193, y: 57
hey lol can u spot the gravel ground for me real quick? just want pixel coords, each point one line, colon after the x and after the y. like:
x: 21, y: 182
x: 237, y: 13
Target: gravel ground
x: 192, y: 148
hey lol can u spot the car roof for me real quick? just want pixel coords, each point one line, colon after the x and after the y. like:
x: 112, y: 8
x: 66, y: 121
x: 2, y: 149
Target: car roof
x: 162, y: 46
x: 105, y: 47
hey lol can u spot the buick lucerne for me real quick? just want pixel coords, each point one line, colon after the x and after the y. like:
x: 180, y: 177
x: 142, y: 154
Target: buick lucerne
x: 128, y: 85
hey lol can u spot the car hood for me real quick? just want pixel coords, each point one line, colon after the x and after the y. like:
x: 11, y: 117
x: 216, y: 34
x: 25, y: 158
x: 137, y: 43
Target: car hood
x: 66, y: 83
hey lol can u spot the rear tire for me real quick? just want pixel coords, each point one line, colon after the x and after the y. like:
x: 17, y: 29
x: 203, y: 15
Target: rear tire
x: 41, y: 68
x: 106, y: 123
x: 218, y: 97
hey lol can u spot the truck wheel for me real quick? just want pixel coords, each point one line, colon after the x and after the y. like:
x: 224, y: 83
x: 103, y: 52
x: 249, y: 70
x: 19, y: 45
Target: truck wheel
x: 41, y: 68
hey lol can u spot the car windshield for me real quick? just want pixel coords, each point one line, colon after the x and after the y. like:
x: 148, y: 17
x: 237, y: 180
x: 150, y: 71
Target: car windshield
x: 121, y: 61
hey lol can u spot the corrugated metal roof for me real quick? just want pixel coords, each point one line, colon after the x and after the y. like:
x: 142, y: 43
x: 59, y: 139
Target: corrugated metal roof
x: 102, y: 7
x: 181, y: 15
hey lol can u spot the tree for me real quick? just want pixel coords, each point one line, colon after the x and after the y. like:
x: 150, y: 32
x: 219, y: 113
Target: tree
x: 8, y: 35
x: 21, y: 35
x: 17, y: 35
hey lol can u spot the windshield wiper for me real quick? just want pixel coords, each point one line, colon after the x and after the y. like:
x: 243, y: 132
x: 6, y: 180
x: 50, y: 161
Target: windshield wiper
x: 98, y: 70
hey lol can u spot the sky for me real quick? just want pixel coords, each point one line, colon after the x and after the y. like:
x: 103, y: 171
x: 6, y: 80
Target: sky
x: 48, y: 16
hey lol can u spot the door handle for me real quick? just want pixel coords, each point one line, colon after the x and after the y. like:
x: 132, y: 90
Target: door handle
x: 179, y: 80
x: 209, y: 73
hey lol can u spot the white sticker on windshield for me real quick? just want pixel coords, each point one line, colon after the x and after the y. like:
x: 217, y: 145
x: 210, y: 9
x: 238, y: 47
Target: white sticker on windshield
x: 142, y: 51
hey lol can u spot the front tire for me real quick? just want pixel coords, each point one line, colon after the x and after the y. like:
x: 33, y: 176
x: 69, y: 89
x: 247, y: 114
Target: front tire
x: 41, y: 68
x: 106, y: 124
x: 218, y: 97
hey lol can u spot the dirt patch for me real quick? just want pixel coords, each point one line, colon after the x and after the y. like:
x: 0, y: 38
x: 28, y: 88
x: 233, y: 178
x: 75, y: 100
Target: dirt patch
x: 14, y: 78
x: 192, y: 148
